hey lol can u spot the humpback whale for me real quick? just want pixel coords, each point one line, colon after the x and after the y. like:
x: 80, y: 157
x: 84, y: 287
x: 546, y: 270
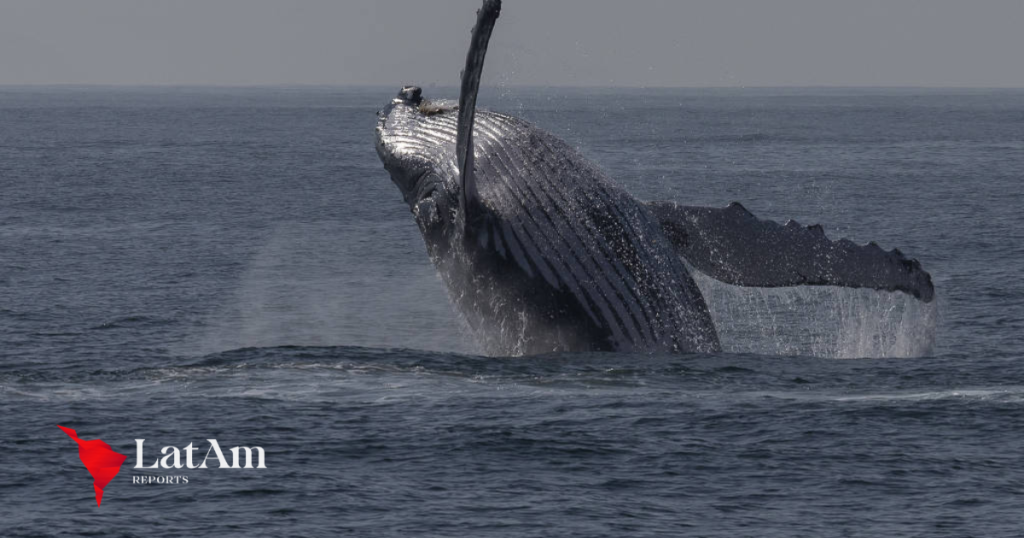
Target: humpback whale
x: 541, y: 252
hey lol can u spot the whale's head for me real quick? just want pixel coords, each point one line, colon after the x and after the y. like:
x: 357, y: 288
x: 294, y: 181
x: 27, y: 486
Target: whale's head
x: 416, y: 143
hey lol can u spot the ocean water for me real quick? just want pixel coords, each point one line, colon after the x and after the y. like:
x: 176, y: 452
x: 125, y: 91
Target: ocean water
x: 184, y: 264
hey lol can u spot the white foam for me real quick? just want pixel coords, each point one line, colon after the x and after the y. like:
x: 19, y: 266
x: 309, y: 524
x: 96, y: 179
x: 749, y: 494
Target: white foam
x: 820, y: 321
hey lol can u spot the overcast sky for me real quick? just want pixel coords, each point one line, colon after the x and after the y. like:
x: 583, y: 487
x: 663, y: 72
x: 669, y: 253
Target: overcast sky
x: 536, y: 42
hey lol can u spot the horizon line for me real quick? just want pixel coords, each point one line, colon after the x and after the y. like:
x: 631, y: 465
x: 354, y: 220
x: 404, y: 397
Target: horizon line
x: 301, y: 85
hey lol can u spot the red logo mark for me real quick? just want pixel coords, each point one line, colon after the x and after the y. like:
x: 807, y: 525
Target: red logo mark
x: 100, y: 460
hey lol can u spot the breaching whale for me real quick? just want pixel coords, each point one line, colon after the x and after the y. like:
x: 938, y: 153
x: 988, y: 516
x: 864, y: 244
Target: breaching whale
x: 541, y: 252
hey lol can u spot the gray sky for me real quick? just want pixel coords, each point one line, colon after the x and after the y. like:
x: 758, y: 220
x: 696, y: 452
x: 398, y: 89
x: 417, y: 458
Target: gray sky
x: 536, y: 42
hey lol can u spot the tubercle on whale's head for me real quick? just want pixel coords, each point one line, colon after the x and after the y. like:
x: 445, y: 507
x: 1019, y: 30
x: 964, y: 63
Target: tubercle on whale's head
x: 412, y: 144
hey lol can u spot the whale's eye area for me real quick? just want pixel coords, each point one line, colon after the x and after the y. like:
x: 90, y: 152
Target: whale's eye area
x: 411, y: 94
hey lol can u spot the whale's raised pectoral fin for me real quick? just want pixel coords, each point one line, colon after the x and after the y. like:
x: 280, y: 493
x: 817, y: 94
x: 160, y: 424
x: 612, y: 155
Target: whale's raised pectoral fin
x: 732, y: 245
x: 469, y: 195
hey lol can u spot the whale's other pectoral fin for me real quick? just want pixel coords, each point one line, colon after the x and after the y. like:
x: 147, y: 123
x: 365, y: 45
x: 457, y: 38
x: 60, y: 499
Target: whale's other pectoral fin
x: 732, y: 245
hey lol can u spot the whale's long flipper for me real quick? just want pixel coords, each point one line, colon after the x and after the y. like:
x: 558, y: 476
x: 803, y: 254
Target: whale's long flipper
x: 732, y: 245
x: 486, y: 17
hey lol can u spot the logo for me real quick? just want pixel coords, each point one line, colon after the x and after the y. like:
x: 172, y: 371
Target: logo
x: 172, y: 457
x: 103, y: 463
x: 100, y: 460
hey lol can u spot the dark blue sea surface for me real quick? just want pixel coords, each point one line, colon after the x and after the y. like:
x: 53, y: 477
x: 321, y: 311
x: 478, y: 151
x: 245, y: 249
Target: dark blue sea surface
x: 184, y: 264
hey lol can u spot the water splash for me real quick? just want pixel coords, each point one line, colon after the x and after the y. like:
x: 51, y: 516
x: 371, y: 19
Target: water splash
x: 820, y: 321
x: 324, y: 284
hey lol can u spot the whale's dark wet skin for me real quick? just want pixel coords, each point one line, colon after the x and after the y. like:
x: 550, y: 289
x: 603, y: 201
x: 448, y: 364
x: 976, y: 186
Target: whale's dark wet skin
x: 541, y: 252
